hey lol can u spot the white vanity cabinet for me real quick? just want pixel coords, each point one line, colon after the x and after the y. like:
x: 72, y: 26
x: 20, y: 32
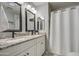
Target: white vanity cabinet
x: 32, y: 47
x: 36, y: 50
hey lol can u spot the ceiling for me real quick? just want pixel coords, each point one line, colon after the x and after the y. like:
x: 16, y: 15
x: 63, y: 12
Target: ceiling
x: 57, y: 5
x: 38, y: 3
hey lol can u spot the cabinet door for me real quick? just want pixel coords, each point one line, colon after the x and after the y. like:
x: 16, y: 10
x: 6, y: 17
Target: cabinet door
x: 32, y: 51
x: 40, y: 48
x: 22, y: 54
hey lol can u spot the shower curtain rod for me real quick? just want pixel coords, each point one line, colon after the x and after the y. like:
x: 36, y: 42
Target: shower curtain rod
x: 73, y: 7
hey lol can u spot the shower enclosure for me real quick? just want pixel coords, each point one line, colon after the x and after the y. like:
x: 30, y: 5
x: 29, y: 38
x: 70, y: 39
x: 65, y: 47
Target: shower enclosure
x: 64, y: 31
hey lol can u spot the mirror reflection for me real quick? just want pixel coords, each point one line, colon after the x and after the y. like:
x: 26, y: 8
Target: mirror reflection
x: 10, y: 13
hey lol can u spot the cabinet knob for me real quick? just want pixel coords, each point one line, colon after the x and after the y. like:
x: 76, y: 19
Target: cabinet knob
x: 27, y: 53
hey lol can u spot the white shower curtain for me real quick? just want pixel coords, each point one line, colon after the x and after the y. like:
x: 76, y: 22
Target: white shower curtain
x: 64, y: 31
x: 55, y: 34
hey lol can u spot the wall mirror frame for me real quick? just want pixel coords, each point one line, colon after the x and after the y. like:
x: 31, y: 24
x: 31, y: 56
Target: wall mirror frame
x: 20, y: 20
x: 12, y: 8
x: 43, y: 24
x: 30, y: 20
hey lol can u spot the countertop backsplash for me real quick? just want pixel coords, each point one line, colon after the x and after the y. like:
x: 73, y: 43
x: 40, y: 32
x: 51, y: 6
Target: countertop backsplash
x: 4, y: 35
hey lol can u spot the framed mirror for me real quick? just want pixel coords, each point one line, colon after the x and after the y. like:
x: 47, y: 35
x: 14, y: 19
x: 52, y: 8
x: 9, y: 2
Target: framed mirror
x: 30, y: 21
x: 11, y: 12
x: 40, y: 24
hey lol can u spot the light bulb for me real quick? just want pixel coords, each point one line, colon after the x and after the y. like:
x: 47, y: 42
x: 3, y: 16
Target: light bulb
x: 28, y: 6
x: 33, y: 8
x: 42, y: 18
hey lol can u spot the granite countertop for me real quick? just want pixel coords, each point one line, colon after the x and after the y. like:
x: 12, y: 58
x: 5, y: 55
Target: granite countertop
x: 13, y: 41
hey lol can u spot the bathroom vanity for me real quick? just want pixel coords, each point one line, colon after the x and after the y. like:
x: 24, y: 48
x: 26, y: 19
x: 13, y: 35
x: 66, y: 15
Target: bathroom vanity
x: 11, y: 21
x: 33, y: 45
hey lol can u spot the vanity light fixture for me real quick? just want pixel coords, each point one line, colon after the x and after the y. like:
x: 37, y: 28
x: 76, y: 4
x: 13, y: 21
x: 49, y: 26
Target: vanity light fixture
x: 33, y: 8
x: 34, y: 11
x: 11, y: 4
x: 28, y: 6
x: 20, y: 2
x: 42, y: 17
